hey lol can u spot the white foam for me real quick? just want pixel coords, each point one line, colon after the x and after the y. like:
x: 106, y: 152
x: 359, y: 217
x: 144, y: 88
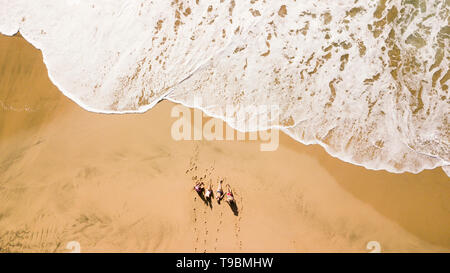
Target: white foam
x: 446, y: 169
x: 366, y: 81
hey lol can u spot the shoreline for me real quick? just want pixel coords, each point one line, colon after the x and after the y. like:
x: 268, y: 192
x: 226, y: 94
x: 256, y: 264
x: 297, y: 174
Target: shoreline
x: 284, y: 130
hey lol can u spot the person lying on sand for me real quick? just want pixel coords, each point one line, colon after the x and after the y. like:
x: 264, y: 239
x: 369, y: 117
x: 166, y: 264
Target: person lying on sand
x: 199, y: 187
x: 219, y: 191
x: 209, y: 191
x: 230, y: 196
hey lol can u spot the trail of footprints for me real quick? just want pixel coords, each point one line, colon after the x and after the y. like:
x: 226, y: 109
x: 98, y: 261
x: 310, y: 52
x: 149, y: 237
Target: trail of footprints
x: 198, y: 224
x: 218, y: 231
x: 237, y: 225
x: 206, y: 231
x: 195, y: 228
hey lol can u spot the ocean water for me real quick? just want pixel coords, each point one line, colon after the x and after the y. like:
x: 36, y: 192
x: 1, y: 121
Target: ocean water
x: 367, y: 80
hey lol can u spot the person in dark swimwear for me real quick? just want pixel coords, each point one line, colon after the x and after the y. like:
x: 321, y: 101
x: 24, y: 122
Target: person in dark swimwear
x: 230, y: 196
x: 219, y: 191
x: 199, y: 187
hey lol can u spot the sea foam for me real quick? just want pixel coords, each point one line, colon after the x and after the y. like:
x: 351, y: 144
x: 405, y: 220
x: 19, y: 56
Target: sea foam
x: 367, y: 80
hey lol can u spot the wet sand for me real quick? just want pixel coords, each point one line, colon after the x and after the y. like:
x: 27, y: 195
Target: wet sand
x: 120, y: 183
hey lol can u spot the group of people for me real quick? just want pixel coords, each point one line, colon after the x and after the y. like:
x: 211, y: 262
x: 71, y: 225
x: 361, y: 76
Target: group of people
x: 200, y: 189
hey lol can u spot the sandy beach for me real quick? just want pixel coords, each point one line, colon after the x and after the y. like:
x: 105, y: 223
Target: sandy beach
x: 121, y: 183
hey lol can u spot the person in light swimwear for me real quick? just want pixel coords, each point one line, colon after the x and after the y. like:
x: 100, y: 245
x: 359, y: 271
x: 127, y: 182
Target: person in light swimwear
x: 219, y: 192
x: 209, y: 191
x: 230, y: 196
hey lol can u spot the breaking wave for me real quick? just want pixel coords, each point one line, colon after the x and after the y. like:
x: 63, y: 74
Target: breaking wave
x: 367, y: 80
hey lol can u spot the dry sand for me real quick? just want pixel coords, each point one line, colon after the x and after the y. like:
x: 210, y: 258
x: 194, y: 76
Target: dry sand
x: 121, y: 183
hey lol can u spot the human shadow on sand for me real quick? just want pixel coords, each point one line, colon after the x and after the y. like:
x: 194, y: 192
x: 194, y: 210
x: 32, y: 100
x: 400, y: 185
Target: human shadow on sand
x: 200, y: 194
x: 234, y: 207
x: 208, y: 200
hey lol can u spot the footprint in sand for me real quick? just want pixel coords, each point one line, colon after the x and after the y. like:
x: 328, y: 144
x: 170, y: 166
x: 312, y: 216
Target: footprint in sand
x: 218, y: 230
x: 196, y: 236
x: 237, y: 226
x: 206, y: 229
